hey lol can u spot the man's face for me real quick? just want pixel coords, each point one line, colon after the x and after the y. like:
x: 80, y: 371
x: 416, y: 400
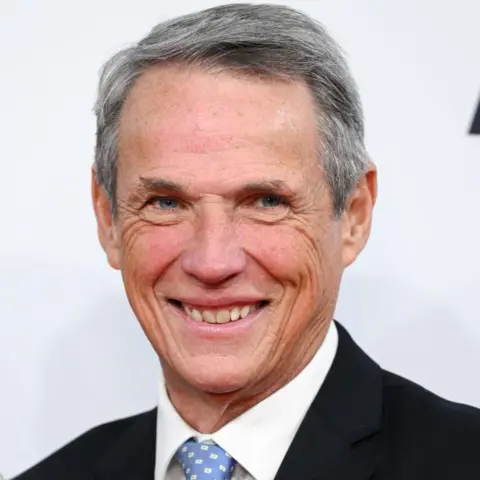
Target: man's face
x: 230, y: 255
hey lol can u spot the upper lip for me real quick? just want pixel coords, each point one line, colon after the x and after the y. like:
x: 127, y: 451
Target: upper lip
x: 225, y: 302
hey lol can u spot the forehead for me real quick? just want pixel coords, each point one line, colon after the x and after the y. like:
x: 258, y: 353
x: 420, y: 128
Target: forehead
x: 178, y: 114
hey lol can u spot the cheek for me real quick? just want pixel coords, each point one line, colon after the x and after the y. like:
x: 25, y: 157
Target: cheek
x: 150, y: 252
x: 285, y: 252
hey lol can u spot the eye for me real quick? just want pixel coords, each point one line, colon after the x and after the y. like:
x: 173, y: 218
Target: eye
x: 164, y: 203
x: 269, y: 201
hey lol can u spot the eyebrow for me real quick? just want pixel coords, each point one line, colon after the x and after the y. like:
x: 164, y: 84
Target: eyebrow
x: 148, y: 185
x: 153, y: 184
x: 267, y: 185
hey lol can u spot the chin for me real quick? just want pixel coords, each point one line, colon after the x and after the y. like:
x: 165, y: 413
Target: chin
x: 218, y: 376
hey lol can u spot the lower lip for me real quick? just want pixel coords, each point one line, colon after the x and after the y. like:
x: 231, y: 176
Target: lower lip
x: 217, y: 330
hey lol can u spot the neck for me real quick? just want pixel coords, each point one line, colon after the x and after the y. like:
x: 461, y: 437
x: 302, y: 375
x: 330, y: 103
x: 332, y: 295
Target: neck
x: 208, y: 412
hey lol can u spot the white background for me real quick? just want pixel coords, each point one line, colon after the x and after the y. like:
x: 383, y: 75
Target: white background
x: 71, y: 352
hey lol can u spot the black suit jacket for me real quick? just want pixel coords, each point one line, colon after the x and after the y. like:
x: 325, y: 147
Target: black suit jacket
x: 365, y: 423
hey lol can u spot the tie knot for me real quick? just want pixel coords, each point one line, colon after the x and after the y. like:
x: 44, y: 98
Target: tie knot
x: 205, y: 461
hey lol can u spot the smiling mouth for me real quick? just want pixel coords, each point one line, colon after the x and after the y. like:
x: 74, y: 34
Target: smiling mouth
x: 218, y: 315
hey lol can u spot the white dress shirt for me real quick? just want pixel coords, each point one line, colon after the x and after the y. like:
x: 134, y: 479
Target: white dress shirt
x: 259, y: 438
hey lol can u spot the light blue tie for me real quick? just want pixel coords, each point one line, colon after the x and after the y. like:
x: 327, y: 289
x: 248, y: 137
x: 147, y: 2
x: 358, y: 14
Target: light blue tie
x: 205, y: 461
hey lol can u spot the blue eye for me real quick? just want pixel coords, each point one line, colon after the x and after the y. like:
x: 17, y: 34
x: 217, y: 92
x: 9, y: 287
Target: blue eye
x: 166, y: 203
x: 270, y: 201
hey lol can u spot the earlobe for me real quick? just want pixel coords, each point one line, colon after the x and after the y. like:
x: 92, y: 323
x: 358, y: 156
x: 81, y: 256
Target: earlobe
x: 357, y: 217
x: 106, y: 227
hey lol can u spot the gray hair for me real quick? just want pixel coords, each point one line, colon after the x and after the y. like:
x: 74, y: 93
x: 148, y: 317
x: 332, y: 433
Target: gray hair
x: 268, y: 40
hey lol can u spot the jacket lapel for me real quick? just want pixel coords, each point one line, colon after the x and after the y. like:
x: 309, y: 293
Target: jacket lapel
x: 133, y: 455
x: 340, y: 437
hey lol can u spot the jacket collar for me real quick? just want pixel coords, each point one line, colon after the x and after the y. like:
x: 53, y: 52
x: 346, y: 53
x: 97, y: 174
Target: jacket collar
x: 339, y: 437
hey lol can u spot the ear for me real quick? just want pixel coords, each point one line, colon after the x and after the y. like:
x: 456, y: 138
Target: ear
x: 106, y: 226
x: 357, y: 217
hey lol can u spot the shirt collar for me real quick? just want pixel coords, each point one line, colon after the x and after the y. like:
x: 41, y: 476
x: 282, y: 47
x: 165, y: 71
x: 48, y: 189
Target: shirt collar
x: 257, y: 439
x: 172, y: 432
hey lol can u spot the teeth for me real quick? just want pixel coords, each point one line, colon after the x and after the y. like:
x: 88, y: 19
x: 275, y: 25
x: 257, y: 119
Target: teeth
x: 235, y: 314
x: 196, y: 315
x: 209, y: 317
x: 221, y: 316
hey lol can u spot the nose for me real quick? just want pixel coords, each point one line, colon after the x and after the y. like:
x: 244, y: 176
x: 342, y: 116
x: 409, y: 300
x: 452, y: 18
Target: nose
x: 215, y: 254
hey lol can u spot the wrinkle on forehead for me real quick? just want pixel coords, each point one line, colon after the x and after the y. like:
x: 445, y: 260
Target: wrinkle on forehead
x: 193, y: 102
x: 175, y: 114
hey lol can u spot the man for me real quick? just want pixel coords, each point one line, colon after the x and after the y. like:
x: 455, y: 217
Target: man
x: 232, y: 188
